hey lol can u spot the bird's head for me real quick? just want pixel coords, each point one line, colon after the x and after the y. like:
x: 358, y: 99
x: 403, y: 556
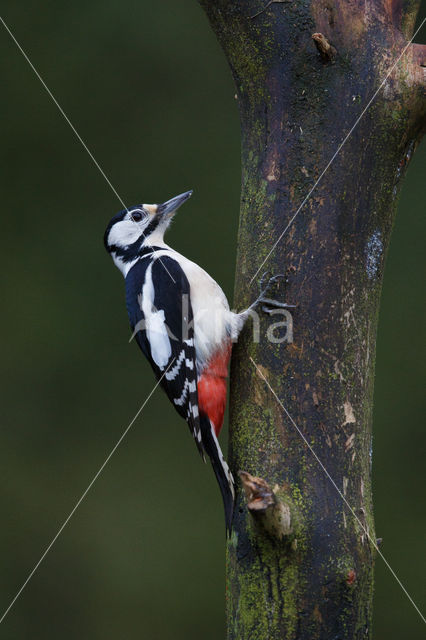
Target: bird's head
x: 139, y: 226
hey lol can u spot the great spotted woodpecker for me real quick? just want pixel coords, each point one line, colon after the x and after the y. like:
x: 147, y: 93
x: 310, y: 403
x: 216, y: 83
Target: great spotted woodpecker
x: 182, y: 322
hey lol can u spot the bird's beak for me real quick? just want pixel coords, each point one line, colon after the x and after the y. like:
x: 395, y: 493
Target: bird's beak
x: 168, y: 208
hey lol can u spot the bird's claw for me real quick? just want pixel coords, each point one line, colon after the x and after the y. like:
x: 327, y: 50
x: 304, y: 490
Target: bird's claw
x: 267, y: 281
x: 263, y: 279
x: 277, y: 278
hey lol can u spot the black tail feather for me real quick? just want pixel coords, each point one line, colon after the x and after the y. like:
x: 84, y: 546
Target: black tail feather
x: 220, y: 468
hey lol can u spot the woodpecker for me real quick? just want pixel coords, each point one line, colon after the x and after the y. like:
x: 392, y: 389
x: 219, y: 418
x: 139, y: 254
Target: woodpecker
x: 182, y: 322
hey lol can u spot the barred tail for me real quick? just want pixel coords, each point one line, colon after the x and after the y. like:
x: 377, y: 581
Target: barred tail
x: 220, y: 468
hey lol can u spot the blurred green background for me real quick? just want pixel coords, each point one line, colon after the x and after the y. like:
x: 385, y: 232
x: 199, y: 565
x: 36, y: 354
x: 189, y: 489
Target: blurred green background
x: 149, y: 90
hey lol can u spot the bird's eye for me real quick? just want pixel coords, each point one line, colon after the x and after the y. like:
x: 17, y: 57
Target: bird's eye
x: 136, y: 216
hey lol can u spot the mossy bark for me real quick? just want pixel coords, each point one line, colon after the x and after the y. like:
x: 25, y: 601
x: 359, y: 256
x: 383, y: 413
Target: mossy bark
x: 297, y: 104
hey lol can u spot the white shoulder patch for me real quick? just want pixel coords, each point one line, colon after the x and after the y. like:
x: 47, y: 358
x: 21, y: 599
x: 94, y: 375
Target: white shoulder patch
x: 155, y: 324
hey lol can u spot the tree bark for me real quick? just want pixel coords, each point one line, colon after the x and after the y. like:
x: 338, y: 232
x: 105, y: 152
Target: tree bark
x: 304, y: 72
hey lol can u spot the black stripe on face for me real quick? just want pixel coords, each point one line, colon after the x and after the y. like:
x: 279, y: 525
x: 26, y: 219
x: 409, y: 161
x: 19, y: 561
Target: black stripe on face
x: 129, y: 253
x: 152, y: 226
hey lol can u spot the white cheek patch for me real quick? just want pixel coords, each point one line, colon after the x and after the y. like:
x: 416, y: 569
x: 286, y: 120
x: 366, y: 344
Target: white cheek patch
x: 124, y: 233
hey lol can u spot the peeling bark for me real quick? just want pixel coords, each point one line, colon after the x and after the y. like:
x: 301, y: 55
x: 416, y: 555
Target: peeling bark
x: 316, y: 582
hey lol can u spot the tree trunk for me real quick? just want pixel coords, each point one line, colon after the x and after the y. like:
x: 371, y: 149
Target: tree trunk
x: 304, y: 72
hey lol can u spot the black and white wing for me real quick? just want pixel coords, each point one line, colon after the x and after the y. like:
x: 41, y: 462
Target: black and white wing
x: 159, y: 307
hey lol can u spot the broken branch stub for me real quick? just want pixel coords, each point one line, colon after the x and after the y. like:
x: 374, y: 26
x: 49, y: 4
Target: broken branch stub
x: 326, y: 50
x: 269, y: 511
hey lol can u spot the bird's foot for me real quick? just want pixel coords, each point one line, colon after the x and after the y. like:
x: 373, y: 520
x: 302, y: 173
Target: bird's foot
x: 266, y: 284
x: 270, y: 305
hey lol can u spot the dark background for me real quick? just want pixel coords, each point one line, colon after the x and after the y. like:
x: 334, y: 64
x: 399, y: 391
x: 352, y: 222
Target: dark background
x: 148, y: 88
